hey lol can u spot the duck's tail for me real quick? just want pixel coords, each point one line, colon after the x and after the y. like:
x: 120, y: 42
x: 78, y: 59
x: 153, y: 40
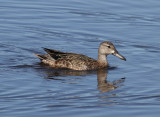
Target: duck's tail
x: 41, y: 57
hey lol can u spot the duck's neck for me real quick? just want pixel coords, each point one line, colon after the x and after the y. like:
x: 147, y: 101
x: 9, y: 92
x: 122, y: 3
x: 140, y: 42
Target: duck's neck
x: 102, y: 59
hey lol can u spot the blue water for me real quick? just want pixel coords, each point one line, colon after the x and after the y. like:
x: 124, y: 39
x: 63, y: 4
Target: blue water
x: 29, y: 88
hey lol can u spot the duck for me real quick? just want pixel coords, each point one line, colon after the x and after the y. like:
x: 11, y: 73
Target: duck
x: 74, y: 61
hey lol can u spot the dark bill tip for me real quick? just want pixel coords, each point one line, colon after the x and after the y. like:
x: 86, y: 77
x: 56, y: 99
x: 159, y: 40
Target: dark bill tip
x: 124, y: 59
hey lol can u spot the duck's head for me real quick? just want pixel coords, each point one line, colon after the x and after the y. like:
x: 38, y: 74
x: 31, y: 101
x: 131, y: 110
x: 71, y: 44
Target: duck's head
x: 107, y: 48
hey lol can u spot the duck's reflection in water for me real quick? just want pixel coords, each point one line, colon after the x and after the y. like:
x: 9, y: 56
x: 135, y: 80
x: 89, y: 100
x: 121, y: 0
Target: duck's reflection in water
x: 102, y: 83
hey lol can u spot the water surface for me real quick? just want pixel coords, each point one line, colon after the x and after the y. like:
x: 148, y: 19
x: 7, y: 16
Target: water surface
x: 29, y: 88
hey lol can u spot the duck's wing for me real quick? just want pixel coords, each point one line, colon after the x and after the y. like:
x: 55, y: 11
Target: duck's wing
x: 55, y: 54
x: 51, y: 51
x: 68, y: 60
x: 58, y: 55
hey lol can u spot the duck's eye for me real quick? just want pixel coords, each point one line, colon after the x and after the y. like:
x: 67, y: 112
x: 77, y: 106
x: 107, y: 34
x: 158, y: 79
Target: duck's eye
x: 109, y: 46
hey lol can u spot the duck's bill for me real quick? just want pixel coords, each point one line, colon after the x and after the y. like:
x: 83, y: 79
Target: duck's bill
x: 120, y: 56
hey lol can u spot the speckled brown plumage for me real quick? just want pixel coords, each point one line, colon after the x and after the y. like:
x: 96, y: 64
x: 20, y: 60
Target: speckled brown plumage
x: 58, y: 59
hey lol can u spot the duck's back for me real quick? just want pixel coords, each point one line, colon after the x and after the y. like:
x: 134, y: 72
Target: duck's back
x: 73, y: 61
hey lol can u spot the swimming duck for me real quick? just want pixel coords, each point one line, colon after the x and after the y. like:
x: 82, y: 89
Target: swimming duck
x: 58, y: 59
